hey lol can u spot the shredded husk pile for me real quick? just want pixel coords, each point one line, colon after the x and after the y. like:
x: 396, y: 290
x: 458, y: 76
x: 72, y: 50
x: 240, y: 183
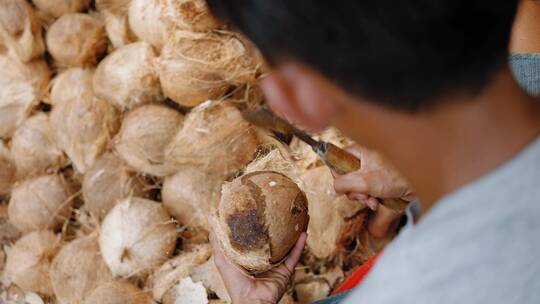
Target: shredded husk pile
x: 121, y: 132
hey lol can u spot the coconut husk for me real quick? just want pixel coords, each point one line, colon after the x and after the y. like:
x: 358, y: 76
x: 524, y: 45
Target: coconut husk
x: 34, y: 147
x: 42, y: 202
x: 52, y: 9
x: 144, y: 134
x: 277, y: 160
x: 118, y: 30
x: 76, y: 40
x: 186, y: 292
x: 29, y: 260
x: 20, y: 30
x: 7, y: 170
x: 77, y: 270
x: 208, y: 274
x: 137, y: 235
x: 8, y: 232
x: 118, y: 292
x: 71, y: 84
x: 312, y: 291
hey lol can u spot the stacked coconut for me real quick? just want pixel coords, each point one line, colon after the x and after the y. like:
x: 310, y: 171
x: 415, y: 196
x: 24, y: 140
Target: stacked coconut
x: 120, y: 123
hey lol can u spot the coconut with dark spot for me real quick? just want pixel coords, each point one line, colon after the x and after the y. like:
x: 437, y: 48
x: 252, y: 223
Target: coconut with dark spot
x: 260, y: 217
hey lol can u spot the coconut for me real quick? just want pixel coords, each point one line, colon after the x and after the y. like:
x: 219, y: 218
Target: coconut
x: 20, y: 30
x: 71, y: 84
x: 58, y: 8
x: 136, y: 236
x: 334, y: 219
x: 177, y: 268
x: 209, y: 275
x: 118, y: 30
x: 126, y: 77
x: 154, y: 20
x: 225, y: 141
x: 143, y: 136
x: 77, y: 270
x: 275, y: 160
x: 107, y: 182
x: 76, y: 40
x: 7, y: 169
x: 191, y: 195
x: 8, y: 232
x: 83, y: 127
x: 34, y: 147
x: 21, y: 87
x: 118, y: 292
x: 29, y: 261
x: 186, y: 292
x: 260, y: 217
x: 195, y: 67
x: 313, y: 291
x: 43, y: 202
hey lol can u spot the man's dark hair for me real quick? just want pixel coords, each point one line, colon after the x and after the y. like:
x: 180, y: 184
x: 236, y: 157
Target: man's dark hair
x: 401, y: 53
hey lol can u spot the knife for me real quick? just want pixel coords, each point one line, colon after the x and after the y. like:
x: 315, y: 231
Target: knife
x: 337, y: 159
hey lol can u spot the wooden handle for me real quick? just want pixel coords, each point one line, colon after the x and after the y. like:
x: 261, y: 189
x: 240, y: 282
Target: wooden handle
x: 343, y: 162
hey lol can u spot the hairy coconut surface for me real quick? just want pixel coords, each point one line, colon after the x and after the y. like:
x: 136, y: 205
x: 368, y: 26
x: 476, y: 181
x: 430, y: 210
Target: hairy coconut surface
x: 276, y: 160
x: 43, y: 202
x: 195, y: 67
x: 154, y: 20
x: 208, y: 274
x: 225, y: 142
x: 29, y: 261
x: 107, y: 182
x: 34, y: 147
x: 260, y: 216
x: 186, y: 292
x: 71, y: 84
x: 7, y: 169
x: 58, y: 8
x: 143, y: 136
x: 136, y: 236
x: 118, y: 292
x: 118, y: 29
x: 173, y: 270
x: 126, y: 78
x: 20, y: 30
x: 76, y: 40
x: 83, y: 127
x: 77, y: 270
x: 191, y: 195
x: 8, y: 233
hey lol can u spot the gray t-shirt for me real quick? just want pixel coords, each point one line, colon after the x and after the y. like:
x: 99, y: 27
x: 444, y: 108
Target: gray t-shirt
x: 480, y: 244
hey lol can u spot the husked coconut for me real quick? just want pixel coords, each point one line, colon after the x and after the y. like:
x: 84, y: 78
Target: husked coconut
x: 107, y: 182
x: 195, y: 67
x: 83, y: 127
x: 137, y: 235
x: 21, y: 87
x: 58, y: 8
x: 118, y: 30
x: 34, y: 147
x: 77, y: 270
x: 312, y: 291
x: 71, y: 84
x: 126, y: 78
x: 154, y: 20
x: 20, y: 30
x: 7, y: 169
x: 177, y: 268
x: 76, y: 40
x: 186, y: 292
x: 143, y: 136
x: 225, y: 142
x: 118, y: 292
x: 29, y: 260
x: 275, y: 160
x: 260, y: 217
x: 333, y: 218
x: 42, y: 202
x: 209, y: 275
x: 191, y: 195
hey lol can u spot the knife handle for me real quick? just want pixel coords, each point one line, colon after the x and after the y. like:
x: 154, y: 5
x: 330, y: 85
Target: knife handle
x: 343, y: 162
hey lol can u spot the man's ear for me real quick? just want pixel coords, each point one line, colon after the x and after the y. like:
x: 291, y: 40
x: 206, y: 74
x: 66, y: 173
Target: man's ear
x: 301, y: 95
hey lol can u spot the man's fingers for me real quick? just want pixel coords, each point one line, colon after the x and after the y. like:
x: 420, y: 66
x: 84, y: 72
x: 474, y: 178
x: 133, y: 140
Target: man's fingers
x: 296, y: 252
x: 352, y: 182
x: 372, y: 203
x: 355, y: 196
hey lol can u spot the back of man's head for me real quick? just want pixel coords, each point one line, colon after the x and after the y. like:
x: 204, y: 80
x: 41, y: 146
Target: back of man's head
x: 401, y: 53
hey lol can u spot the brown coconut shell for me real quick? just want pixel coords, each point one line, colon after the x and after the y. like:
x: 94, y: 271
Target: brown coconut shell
x: 126, y: 78
x: 42, y: 202
x: 191, y: 195
x: 7, y: 170
x: 83, y: 128
x: 195, y: 67
x: 29, y: 260
x: 71, y: 84
x: 137, y: 235
x: 34, y: 147
x: 143, y: 136
x: 225, y: 141
x: 20, y: 30
x: 260, y: 217
x: 76, y: 40
x: 77, y: 270
x: 118, y: 292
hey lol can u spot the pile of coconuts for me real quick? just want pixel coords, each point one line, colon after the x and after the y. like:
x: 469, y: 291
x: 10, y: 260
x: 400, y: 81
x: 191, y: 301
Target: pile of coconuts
x: 121, y: 133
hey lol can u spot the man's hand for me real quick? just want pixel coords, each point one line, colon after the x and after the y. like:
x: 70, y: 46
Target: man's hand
x: 377, y: 179
x: 267, y: 287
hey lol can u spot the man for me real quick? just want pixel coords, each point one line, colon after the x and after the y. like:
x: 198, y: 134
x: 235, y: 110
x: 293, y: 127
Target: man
x: 426, y: 83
